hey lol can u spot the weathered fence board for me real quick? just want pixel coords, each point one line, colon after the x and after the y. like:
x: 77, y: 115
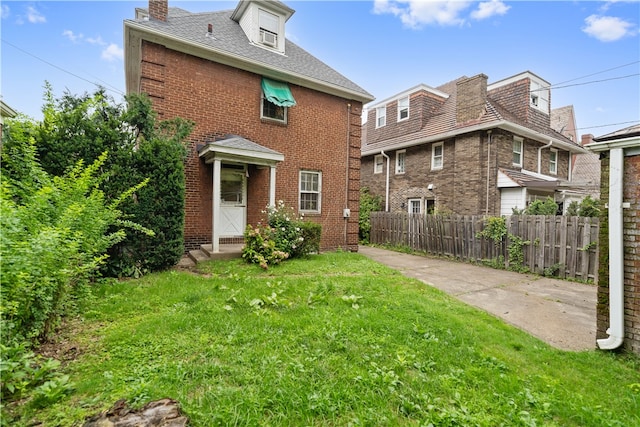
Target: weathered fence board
x: 566, y: 247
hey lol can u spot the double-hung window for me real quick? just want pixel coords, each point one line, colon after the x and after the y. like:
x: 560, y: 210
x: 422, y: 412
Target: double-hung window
x: 378, y: 163
x: 275, y: 101
x: 540, y: 96
x: 381, y: 116
x: 437, y: 155
x: 269, y: 110
x: 517, y: 151
x: 269, y: 25
x: 553, y: 161
x: 401, y: 156
x: 403, y: 108
x: 310, y: 191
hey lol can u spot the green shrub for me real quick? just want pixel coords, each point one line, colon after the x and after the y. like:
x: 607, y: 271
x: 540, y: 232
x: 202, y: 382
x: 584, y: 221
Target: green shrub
x: 283, y: 235
x: 547, y: 206
x: 368, y: 203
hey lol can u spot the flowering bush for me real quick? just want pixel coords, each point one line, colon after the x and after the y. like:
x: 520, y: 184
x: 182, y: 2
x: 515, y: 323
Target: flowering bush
x: 281, y: 237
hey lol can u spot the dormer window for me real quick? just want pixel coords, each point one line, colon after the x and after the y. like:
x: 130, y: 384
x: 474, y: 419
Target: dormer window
x: 269, y: 25
x: 539, y: 94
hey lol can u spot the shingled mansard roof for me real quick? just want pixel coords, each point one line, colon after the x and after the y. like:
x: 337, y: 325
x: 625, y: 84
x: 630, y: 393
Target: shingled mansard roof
x: 442, y: 124
x: 188, y: 32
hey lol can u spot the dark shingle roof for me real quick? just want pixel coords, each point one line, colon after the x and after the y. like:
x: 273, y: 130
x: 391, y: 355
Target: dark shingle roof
x: 229, y: 39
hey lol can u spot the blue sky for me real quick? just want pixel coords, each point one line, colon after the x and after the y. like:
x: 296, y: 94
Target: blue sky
x: 588, y: 50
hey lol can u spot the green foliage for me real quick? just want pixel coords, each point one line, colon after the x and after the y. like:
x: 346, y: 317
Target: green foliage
x: 82, y: 127
x: 52, y: 242
x: 283, y: 235
x: 587, y: 207
x: 515, y: 249
x: 547, y: 206
x: 494, y: 229
x: 24, y: 375
x: 368, y: 203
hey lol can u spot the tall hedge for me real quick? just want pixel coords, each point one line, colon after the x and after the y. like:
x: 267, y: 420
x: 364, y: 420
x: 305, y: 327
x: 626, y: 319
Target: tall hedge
x: 140, y: 147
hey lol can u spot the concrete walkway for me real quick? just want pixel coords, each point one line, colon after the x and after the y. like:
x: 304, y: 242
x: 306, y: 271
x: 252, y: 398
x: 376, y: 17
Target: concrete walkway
x: 560, y: 312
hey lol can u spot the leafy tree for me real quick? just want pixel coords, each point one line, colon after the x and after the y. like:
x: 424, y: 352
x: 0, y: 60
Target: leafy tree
x: 140, y: 147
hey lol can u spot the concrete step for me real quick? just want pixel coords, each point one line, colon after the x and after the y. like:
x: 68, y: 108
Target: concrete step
x: 198, y: 255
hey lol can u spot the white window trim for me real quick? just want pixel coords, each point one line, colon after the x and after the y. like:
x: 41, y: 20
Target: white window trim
x: 521, y: 141
x: 377, y: 169
x: 406, y: 98
x: 381, y: 116
x: 262, y: 116
x: 404, y: 161
x: 275, y: 19
x: 553, y: 164
x: 539, y: 96
x: 410, y: 207
x: 318, y: 192
x: 434, y: 157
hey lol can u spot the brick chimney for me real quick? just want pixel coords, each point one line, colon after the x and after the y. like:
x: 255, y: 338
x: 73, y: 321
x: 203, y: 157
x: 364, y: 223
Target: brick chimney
x: 471, y: 98
x: 587, y: 138
x: 158, y: 9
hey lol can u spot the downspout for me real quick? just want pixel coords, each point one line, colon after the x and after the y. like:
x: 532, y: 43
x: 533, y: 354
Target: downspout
x: 616, y: 253
x: 486, y: 209
x: 540, y: 155
x: 346, y: 192
x: 386, y: 196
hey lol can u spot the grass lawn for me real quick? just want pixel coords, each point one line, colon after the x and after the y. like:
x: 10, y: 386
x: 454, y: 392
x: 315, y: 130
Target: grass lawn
x: 334, y: 340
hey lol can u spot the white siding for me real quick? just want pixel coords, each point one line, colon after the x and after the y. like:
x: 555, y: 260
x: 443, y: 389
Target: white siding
x: 512, y: 198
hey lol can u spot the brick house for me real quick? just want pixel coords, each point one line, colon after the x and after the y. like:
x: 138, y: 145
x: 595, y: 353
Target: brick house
x: 272, y: 121
x: 618, y: 310
x: 466, y: 147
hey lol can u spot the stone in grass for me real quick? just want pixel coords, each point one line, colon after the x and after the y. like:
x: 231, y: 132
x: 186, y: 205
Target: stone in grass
x: 159, y: 413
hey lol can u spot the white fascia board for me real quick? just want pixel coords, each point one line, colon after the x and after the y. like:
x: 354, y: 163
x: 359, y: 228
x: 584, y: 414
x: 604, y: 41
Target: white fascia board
x: 207, y: 52
x: 403, y: 94
x: 625, y: 143
x: 517, y: 77
x: 245, y: 156
x: 502, y: 124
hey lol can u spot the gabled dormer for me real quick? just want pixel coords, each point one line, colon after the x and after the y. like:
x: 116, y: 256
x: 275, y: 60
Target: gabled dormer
x: 263, y: 21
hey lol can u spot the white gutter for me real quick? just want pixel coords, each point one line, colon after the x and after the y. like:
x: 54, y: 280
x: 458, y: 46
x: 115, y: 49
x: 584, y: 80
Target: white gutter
x: 616, y: 253
x: 386, y: 196
x: 499, y: 124
x: 540, y: 155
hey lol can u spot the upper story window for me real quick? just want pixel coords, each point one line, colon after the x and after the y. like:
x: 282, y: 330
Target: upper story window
x: 517, y: 151
x: 553, y: 161
x: 539, y: 95
x: 276, y: 100
x: 403, y: 108
x: 378, y: 163
x: 269, y: 26
x: 437, y: 155
x: 381, y: 116
x: 400, y: 161
x: 310, y: 191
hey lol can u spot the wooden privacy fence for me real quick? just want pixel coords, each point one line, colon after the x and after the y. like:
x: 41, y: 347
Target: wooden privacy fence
x: 562, y: 246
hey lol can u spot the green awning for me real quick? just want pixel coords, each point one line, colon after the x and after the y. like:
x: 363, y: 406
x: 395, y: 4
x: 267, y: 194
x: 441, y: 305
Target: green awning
x: 277, y: 93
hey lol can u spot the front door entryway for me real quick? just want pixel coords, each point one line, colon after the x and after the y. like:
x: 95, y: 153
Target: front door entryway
x: 233, y: 195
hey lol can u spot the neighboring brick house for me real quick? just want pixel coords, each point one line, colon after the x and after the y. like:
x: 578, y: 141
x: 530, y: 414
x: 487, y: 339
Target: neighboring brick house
x: 272, y: 121
x: 585, y: 172
x: 466, y: 147
x: 618, y: 322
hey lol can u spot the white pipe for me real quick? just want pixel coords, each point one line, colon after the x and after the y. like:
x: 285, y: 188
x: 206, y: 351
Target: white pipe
x: 616, y: 253
x: 386, y: 197
x: 486, y: 210
x: 540, y: 155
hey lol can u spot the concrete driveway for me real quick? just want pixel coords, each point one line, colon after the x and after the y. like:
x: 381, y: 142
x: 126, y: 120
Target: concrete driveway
x: 560, y: 312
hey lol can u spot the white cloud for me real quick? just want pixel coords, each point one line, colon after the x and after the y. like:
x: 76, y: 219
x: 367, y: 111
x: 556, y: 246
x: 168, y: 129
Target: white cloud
x: 490, y: 8
x: 416, y: 13
x: 71, y: 36
x: 98, y: 40
x: 607, y: 28
x: 112, y: 53
x: 34, y: 16
x: 5, y: 11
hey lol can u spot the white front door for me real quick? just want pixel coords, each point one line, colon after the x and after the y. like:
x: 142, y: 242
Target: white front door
x: 233, y: 205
